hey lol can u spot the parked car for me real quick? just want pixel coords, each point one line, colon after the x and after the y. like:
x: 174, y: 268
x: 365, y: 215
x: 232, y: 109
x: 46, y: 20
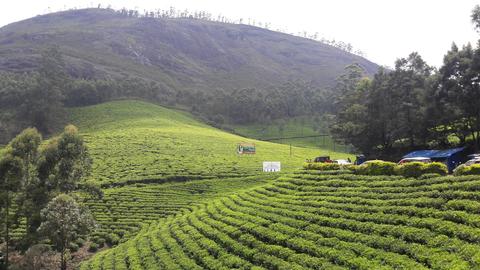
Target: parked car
x: 415, y: 159
x: 342, y: 161
x: 323, y: 159
x: 473, y: 161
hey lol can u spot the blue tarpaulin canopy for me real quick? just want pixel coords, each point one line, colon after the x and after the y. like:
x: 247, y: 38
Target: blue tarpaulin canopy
x: 451, y: 157
x: 435, y: 153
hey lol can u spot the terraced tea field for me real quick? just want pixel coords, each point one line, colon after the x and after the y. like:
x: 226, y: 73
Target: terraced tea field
x: 124, y: 210
x: 133, y: 141
x: 309, y: 220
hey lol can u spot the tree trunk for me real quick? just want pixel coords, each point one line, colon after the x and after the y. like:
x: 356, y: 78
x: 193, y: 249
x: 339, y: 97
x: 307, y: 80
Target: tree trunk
x: 63, y: 263
x: 7, y: 238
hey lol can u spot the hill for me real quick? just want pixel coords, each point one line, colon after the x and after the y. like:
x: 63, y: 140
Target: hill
x: 303, y: 131
x: 309, y: 220
x: 179, y: 53
x: 134, y: 141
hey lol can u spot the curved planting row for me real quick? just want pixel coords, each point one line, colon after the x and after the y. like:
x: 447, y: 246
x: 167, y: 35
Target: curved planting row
x: 310, y: 221
x: 123, y: 211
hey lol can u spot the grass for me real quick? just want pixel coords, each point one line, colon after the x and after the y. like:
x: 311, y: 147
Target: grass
x: 313, y: 220
x: 294, y: 127
x: 134, y: 141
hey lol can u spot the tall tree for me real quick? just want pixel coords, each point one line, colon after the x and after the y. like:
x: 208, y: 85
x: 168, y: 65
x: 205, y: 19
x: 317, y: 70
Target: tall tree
x: 459, y: 90
x: 10, y: 182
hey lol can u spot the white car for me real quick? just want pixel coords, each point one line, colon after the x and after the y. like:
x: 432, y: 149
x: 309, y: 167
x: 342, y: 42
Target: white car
x: 473, y: 161
x: 342, y: 161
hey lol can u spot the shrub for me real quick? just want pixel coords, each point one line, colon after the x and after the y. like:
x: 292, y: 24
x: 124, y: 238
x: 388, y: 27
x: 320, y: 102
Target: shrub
x: 417, y: 169
x: 376, y: 167
x: 410, y: 169
x: 73, y: 247
x: 429, y: 175
x: 93, y: 247
x: 112, y: 239
x: 467, y: 170
x: 322, y: 166
x: 80, y: 242
x: 436, y: 168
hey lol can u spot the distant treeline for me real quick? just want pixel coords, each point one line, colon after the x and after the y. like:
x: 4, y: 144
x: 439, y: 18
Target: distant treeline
x: 414, y: 106
x: 38, y: 99
x: 172, y: 12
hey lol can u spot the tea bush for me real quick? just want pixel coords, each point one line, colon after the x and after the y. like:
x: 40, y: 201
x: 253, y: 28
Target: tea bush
x: 311, y: 220
x: 376, y: 167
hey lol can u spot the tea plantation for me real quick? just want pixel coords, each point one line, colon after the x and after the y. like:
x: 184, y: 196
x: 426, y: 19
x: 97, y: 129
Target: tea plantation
x: 154, y: 162
x: 310, y: 220
x: 133, y: 141
x: 124, y: 210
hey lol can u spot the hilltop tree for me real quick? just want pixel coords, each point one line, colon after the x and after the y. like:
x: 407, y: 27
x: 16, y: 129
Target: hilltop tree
x: 63, y: 221
x: 476, y: 17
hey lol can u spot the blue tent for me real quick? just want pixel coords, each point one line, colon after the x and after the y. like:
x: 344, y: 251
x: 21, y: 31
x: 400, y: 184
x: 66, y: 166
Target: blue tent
x: 451, y: 157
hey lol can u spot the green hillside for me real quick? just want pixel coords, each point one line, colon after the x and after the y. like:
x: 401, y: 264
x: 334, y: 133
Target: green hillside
x: 132, y: 141
x: 313, y: 221
x: 294, y: 127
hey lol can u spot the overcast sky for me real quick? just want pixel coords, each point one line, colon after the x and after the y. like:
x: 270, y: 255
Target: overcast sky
x: 383, y: 30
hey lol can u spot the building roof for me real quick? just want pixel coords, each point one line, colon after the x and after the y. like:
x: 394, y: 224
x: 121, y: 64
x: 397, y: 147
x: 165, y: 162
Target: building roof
x: 434, y: 153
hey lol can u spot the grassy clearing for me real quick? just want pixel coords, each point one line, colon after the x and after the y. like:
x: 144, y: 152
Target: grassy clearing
x: 309, y: 220
x: 137, y: 141
x: 295, y: 127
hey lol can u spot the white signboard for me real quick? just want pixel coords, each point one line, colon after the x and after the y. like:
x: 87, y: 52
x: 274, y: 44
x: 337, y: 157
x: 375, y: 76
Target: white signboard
x: 271, y: 166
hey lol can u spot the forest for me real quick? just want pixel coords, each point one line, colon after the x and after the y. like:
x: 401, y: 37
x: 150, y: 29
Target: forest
x: 413, y: 106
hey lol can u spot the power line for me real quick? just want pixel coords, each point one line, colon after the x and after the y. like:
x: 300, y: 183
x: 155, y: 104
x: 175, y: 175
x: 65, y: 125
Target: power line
x: 296, y: 137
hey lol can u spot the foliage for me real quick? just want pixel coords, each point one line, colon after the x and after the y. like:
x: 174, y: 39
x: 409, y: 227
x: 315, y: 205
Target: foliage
x: 435, y: 168
x: 310, y: 220
x: 376, y: 167
x: 133, y: 141
x: 321, y: 166
x: 63, y: 220
x: 473, y: 169
x: 414, y: 106
x: 250, y: 84
x: 411, y: 169
x: 375, y: 115
x: 120, y: 217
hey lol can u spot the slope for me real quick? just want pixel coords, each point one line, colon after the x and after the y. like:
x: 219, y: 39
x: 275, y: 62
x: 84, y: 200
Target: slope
x: 313, y: 221
x: 134, y: 141
x: 302, y: 129
x: 179, y: 53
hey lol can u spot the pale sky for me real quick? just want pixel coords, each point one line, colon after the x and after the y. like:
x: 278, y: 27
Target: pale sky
x: 383, y: 30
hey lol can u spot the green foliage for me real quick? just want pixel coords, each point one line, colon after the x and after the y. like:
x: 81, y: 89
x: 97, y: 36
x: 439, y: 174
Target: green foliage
x: 321, y: 166
x: 411, y: 169
x: 435, y: 168
x: 123, y: 211
x: 473, y: 169
x: 63, y: 221
x: 376, y: 167
x: 132, y: 141
x: 93, y: 247
x: 313, y: 220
